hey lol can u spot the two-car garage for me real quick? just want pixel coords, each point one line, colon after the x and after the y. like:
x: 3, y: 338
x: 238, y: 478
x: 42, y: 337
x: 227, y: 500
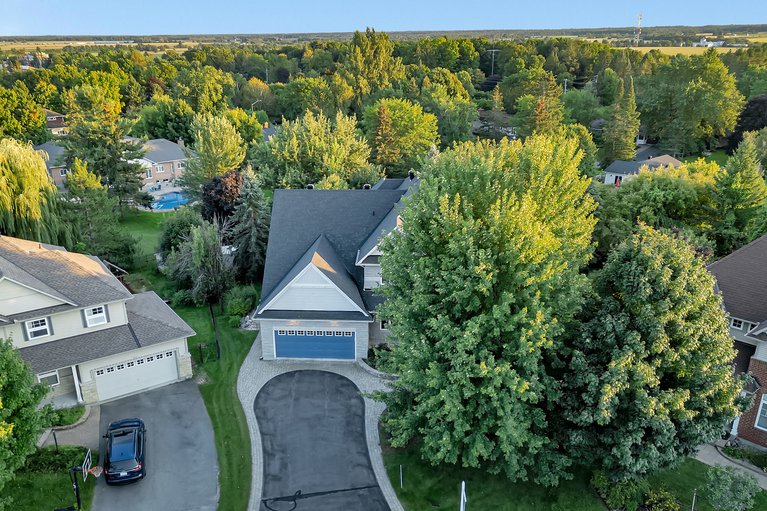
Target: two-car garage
x: 136, y: 374
x: 296, y: 342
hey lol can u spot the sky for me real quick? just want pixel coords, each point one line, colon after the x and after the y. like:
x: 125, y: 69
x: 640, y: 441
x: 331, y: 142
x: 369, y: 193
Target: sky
x: 148, y: 17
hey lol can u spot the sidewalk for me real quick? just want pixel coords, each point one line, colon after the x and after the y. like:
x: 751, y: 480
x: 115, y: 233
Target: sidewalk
x: 710, y: 455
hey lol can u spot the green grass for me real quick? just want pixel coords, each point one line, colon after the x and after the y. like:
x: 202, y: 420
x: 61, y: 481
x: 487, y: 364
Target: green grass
x: 219, y: 393
x: 67, y: 416
x: 690, y: 476
x: 51, y: 488
x: 146, y: 227
x: 719, y: 157
x: 428, y: 487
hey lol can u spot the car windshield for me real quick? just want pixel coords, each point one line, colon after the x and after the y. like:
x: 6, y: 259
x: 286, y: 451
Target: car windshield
x: 122, y: 453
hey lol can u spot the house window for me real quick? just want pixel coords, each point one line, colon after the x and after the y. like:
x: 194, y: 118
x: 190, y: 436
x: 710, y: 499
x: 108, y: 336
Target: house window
x: 737, y: 324
x: 63, y: 172
x: 149, y: 173
x: 38, y: 328
x: 159, y: 168
x: 180, y: 165
x: 51, y: 378
x: 385, y: 325
x: 95, y: 316
x: 761, y: 417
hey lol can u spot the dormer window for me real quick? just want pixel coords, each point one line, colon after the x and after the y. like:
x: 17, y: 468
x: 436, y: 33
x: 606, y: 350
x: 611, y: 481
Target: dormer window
x: 95, y: 316
x: 736, y: 324
x: 38, y: 328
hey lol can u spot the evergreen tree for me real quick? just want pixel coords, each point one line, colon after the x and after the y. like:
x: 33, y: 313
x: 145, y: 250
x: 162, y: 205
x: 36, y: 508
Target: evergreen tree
x: 738, y: 193
x: 97, y: 137
x: 621, y: 131
x: 95, y: 215
x: 250, y: 229
x: 649, y: 378
x: 478, y: 285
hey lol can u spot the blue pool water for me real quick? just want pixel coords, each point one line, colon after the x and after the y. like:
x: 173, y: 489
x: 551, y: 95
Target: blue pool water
x: 169, y: 201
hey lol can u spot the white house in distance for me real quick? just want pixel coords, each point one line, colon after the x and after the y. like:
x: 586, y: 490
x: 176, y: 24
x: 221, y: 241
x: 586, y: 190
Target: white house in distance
x: 322, y: 267
x: 81, y: 331
x: 621, y: 170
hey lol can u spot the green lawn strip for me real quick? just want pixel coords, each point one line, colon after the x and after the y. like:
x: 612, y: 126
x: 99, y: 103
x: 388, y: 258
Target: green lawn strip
x: 719, y: 157
x: 219, y: 392
x: 426, y: 486
x: 683, y: 480
x: 49, y: 488
x: 67, y: 416
x: 146, y: 227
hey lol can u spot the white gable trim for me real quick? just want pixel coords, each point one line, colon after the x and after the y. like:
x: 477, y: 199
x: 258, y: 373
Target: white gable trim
x: 38, y: 291
x: 375, y: 250
x: 309, y: 267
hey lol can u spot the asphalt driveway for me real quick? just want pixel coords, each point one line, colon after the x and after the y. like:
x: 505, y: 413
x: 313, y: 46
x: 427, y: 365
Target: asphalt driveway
x: 182, y: 468
x: 312, y: 427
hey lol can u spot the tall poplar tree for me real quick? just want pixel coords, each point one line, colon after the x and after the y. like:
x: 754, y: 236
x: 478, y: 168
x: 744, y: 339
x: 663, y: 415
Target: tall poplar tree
x: 621, y: 131
x: 478, y: 284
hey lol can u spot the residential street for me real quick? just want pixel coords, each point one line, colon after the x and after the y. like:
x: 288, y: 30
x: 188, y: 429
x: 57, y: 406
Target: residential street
x: 182, y: 468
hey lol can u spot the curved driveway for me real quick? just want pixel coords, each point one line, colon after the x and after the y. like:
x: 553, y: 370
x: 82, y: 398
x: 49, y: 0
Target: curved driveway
x: 312, y: 426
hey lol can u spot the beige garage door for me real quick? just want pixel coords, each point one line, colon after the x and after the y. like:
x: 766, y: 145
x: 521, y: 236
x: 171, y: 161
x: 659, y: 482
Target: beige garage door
x: 136, y: 374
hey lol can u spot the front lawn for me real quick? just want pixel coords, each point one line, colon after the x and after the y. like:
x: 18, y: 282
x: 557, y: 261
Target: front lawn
x: 66, y: 416
x: 37, y: 488
x: 218, y: 388
x: 428, y: 487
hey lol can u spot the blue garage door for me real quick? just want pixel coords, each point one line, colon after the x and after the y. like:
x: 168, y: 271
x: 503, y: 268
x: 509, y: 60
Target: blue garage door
x: 337, y: 344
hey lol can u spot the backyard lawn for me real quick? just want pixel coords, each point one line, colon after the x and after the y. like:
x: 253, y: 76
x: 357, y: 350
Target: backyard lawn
x: 719, y: 157
x: 146, y: 227
x: 427, y: 487
x: 218, y: 388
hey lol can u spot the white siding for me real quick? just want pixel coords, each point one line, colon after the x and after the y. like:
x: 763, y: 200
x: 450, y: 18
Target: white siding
x: 761, y: 351
x: 87, y: 368
x: 372, y: 276
x: 310, y: 290
x: 66, y: 324
x: 268, y: 326
x: 15, y: 298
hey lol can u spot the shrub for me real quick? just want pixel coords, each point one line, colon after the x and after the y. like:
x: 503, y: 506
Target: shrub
x: 233, y: 321
x: 240, y: 300
x: 66, y: 416
x: 625, y: 494
x: 729, y: 490
x: 661, y: 500
x: 48, y: 459
x: 183, y: 297
x: 177, y: 227
x: 753, y: 456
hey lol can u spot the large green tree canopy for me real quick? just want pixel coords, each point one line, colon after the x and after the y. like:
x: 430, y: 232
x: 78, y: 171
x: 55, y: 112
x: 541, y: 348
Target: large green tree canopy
x: 649, y: 378
x: 478, y: 285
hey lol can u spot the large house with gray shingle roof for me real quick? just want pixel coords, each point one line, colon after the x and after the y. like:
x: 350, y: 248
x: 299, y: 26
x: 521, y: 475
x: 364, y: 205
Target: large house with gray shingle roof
x: 164, y: 161
x: 621, y: 170
x: 742, y: 281
x: 80, y: 330
x: 322, y: 267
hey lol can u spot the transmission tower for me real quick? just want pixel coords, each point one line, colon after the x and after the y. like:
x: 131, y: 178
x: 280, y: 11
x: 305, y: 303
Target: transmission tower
x: 638, y: 34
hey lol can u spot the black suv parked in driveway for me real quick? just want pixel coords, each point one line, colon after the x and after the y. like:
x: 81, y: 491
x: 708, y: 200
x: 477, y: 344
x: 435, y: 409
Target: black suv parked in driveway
x: 125, y: 451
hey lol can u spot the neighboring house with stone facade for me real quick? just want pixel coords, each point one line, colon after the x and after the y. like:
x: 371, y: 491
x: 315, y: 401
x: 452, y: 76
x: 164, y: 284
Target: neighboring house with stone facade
x: 81, y: 331
x: 54, y: 162
x: 742, y: 281
x: 322, y: 267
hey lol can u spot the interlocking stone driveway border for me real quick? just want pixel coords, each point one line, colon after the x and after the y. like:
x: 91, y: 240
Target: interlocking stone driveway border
x: 254, y: 373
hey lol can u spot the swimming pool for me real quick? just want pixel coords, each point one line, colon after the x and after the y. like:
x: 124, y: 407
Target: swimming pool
x: 170, y: 200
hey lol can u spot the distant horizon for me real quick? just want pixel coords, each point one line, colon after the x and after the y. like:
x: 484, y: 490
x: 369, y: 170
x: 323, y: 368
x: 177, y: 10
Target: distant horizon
x: 152, y: 18
x: 362, y: 29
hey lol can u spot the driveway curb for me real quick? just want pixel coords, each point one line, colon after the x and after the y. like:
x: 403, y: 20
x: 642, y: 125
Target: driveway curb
x: 254, y: 374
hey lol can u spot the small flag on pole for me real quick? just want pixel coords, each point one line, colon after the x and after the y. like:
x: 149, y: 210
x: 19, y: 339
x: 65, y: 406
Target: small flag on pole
x: 463, y: 496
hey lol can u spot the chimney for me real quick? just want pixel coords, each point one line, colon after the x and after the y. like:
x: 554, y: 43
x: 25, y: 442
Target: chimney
x: 180, y: 142
x: 310, y: 186
x: 366, y: 186
x: 411, y: 174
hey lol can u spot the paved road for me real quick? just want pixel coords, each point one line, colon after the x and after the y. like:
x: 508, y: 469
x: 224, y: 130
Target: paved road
x: 312, y: 427
x: 182, y: 468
